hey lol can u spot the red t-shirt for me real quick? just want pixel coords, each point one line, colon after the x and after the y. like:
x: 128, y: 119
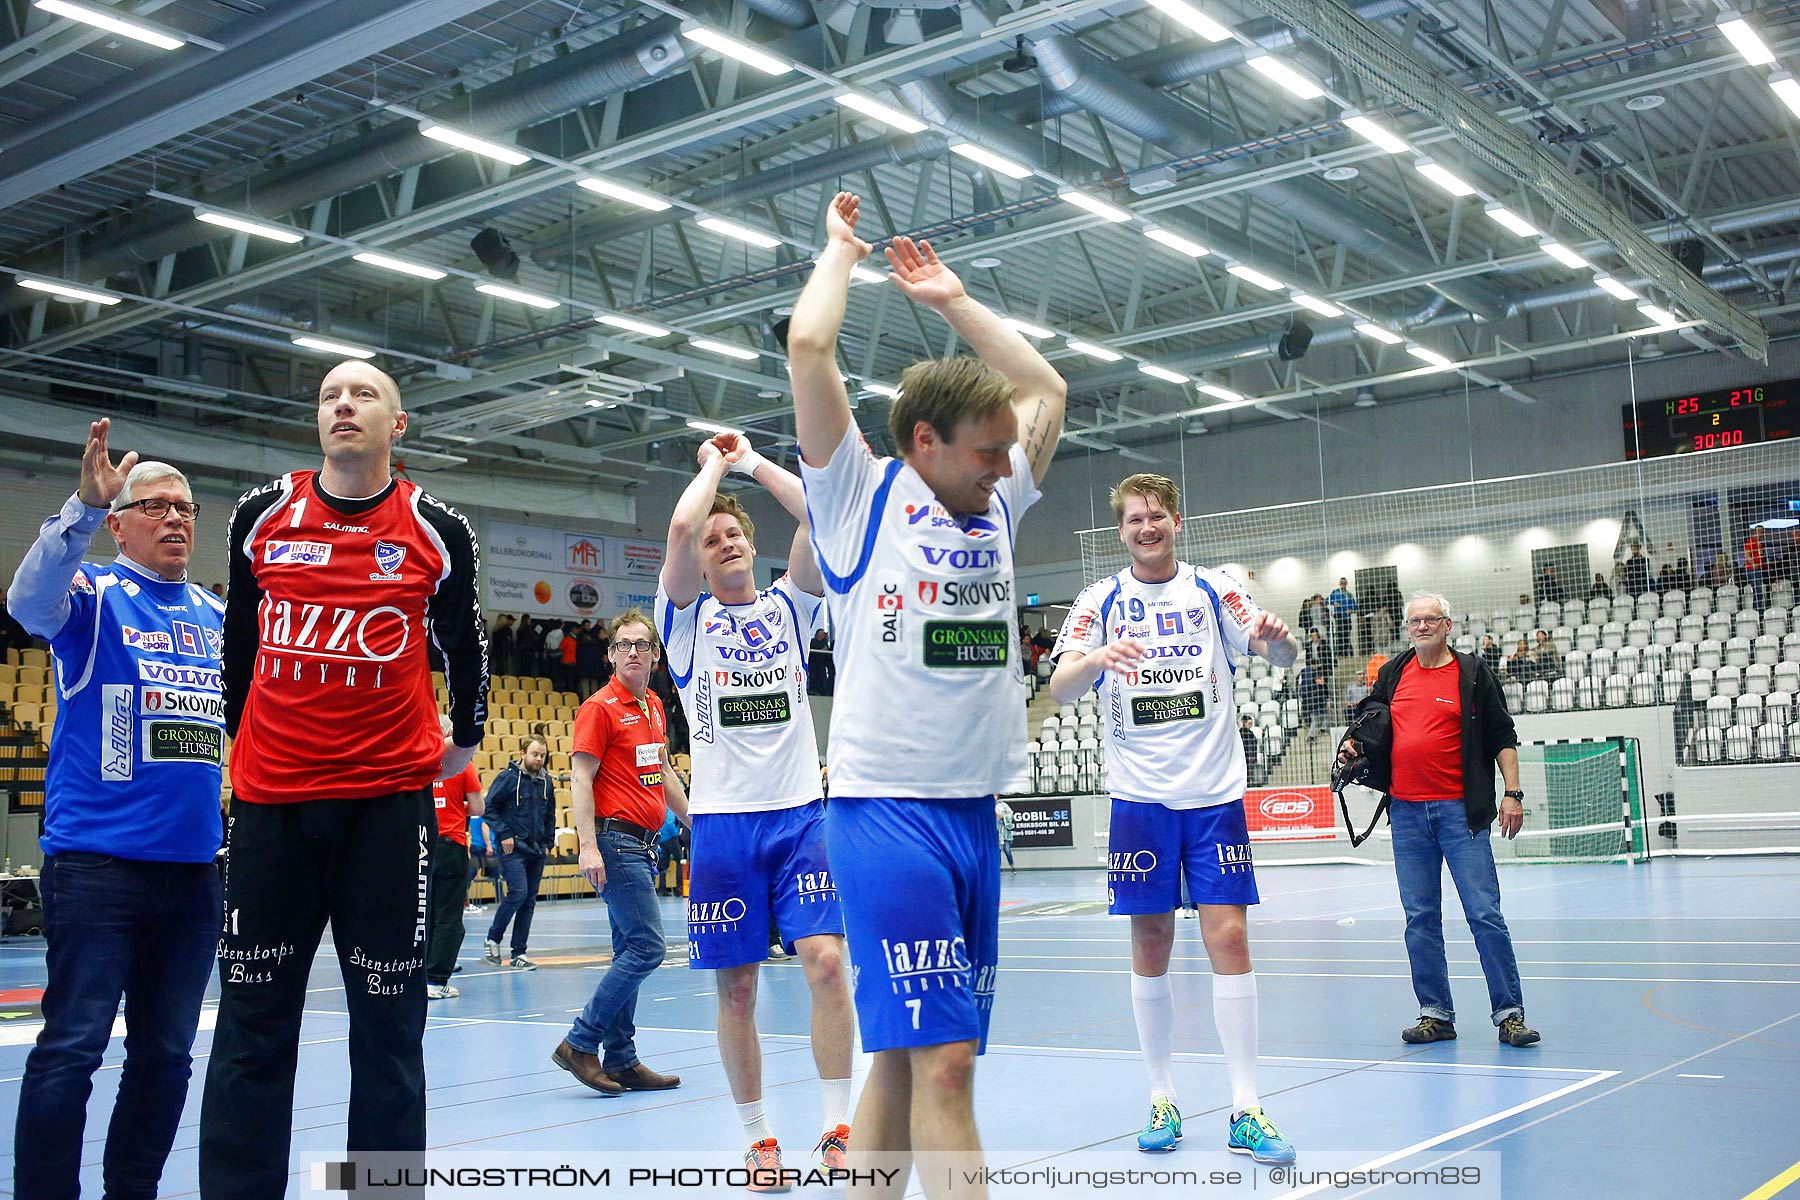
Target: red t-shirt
x: 628, y: 738
x: 567, y: 649
x: 1427, y: 723
x: 451, y: 797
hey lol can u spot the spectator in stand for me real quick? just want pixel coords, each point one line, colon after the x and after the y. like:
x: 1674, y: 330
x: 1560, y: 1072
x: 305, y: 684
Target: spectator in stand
x: 456, y: 800
x: 1315, y: 698
x: 1720, y: 572
x: 1544, y: 655
x: 1754, y: 564
x: 553, y: 657
x: 1043, y: 641
x: 1318, y: 652
x: 500, y: 646
x: 1601, y: 589
x: 1247, y: 735
x: 1354, y: 695
x: 1637, y: 571
x: 484, y: 860
x: 1376, y: 660
x: 1684, y: 575
x: 1520, y: 666
x: 1490, y: 652
x: 1549, y: 587
x: 521, y: 816
x: 528, y: 647
x: 821, y: 671
x: 1320, y: 614
x: 590, y: 658
x: 1665, y: 581
x: 1343, y: 615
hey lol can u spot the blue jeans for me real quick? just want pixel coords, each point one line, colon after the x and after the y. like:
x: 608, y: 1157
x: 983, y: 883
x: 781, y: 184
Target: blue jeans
x: 115, y: 926
x: 1428, y: 835
x: 522, y: 872
x: 637, y: 950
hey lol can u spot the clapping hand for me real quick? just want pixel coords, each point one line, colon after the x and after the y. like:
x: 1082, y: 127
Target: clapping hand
x: 840, y: 223
x: 921, y: 276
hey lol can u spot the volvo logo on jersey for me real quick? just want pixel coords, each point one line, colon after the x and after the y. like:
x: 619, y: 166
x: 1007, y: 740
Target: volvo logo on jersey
x: 388, y: 558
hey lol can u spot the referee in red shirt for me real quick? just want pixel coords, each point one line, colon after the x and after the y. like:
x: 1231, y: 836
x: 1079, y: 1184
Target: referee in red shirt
x: 621, y: 774
x: 339, y: 578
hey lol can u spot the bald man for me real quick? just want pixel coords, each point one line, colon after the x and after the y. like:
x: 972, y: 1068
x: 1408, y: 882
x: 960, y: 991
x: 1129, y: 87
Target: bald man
x: 339, y: 577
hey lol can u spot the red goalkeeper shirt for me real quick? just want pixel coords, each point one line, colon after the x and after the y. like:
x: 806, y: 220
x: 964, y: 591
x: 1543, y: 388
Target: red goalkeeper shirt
x: 327, y: 685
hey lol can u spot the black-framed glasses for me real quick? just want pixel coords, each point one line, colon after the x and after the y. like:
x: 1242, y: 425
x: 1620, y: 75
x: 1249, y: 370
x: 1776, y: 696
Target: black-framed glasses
x: 635, y: 645
x: 156, y: 510
x: 1425, y: 622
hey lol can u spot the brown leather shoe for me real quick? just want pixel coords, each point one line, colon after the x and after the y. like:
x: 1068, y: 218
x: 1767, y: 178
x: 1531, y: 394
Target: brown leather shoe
x: 586, y: 1068
x: 639, y: 1078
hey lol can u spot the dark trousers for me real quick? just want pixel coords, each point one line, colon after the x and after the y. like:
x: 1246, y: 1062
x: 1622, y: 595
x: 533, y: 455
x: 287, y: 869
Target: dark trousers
x: 522, y: 872
x: 290, y: 868
x: 114, y: 926
x: 449, y: 892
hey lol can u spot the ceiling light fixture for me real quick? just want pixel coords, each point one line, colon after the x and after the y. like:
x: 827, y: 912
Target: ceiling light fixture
x: 1787, y: 90
x: 1163, y: 373
x: 632, y: 324
x: 1444, y: 179
x: 1186, y: 14
x: 888, y: 115
x: 749, y: 55
x: 1098, y: 207
x: 1093, y: 351
x: 1370, y: 131
x: 882, y: 389
x: 1028, y: 329
x: 1384, y: 336
x: 1564, y: 255
x: 274, y: 233
x: 990, y: 160
x: 506, y: 293
x: 1270, y: 67
x: 400, y: 265
x: 68, y: 292
x: 1613, y: 287
x: 1738, y: 32
x: 1324, y: 308
x: 742, y: 353
x: 1219, y: 393
x: 473, y: 144
x: 864, y: 274
x: 1252, y: 275
x: 1176, y: 242
x: 1661, y: 316
x: 619, y: 191
x: 1511, y: 221
x: 100, y: 18
x: 711, y: 426
x: 328, y: 347
x: 1430, y: 356
x: 742, y: 233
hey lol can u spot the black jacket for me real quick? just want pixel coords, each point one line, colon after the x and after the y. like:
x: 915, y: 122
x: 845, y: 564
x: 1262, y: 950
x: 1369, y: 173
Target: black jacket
x: 1487, y: 729
x: 522, y: 807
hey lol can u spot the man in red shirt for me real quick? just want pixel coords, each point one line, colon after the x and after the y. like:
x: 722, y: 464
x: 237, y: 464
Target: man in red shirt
x: 339, y: 578
x: 1450, y: 727
x: 456, y: 800
x: 621, y: 774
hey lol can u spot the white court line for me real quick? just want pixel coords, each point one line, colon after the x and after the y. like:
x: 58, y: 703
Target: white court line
x: 1375, y: 962
x: 1402, y: 975
x: 1686, y: 1076
x: 1388, y: 941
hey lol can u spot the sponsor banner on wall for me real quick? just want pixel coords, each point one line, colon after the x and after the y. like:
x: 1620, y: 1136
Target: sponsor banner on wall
x: 564, y: 573
x: 1041, y: 824
x: 1290, y: 814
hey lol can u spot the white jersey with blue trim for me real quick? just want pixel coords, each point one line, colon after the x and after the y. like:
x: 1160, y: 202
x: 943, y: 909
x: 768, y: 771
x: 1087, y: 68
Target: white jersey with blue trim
x: 741, y: 672
x: 1171, y: 724
x: 930, y: 696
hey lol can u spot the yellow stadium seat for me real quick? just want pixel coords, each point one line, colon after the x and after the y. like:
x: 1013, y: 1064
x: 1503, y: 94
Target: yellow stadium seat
x: 32, y: 676
x: 28, y: 714
x: 9, y: 674
x: 34, y: 658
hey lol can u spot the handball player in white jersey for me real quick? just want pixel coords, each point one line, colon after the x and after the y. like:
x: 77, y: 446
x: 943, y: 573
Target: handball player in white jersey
x: 738, y: 658
x: 928, y: 718
x: 1160, y: 640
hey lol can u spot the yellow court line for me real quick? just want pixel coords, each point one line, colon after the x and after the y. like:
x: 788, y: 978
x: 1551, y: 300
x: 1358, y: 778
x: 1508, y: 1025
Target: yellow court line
x: 1777, y: 1184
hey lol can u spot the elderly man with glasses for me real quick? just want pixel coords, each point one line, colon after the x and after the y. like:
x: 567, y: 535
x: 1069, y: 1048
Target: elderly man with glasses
x: 131, y: 819
x: 1449, y: 727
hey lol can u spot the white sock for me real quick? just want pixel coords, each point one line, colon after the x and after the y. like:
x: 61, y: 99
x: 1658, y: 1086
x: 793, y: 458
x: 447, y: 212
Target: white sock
x: 836, y: 1094
x: 1234, y: 1013
x: 756, y: 1125
x: 1153, y: 1004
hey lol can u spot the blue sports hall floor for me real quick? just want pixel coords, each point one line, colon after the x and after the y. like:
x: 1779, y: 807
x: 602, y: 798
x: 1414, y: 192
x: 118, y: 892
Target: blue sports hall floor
x: 1668, y: 996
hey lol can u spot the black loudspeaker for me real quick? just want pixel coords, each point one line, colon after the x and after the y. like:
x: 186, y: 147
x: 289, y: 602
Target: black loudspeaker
x: 780, y: 329
x: 495, y: 253
x: 1294, y: 341
x: 1692, y: 255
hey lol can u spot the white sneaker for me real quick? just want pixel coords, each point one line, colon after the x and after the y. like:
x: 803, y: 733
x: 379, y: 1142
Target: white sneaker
x: 490, y: 951
x: 521, y: 963
x: 440, y: 991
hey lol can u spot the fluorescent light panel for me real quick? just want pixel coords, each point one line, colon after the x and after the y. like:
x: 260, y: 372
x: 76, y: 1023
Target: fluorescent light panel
x: 1219, y: 393
x: 742, y: 233
x: 1384, y: 336
x: 1564, y: 255
x: 1511, y: 221
x: 1186, y: 14
x: 711, y: 426
x: 100, y: 18
x: 1324, y: 308
x: 506, y: 293
x: 1444, y: 179
x: 749, y: 55
x: 619, y: 191
x: 990, y: 160
x: 1787, y: 90
x: 743, y: 353
x: 1176, y: 242
x: 1270, y: 67
x: 68, y: 292
x: 400, y: 265
x: 1163, y: 373
x: 1738, y: 32
x: 274, y: 233
x: 1661, y: 316
x: 1372, y: 132
x: 1028, y: 329
x: 888, y: 115
x: 329, y: 347
x: 1252, y: 275
x: 1093, y: 351
x: 632, y: 324
x: 1098, y: 207
x: 1430, y: 356
x: 867, y: 274
x: 882, y: 389
x: 473, y: 144
x: 1614, y: 288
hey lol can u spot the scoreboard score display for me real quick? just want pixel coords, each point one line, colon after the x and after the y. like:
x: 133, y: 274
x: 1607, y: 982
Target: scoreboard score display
x: 1710, y: 420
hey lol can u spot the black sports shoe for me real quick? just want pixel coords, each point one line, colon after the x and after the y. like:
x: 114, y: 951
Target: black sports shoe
x: 1429, y: 1029
x: 1514, y: 1032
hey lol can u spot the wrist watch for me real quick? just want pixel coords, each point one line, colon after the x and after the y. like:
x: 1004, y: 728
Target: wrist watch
x: 1516, y: 795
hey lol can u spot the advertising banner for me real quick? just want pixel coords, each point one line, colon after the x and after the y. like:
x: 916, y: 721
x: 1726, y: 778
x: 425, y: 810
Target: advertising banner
x: 564, y: 573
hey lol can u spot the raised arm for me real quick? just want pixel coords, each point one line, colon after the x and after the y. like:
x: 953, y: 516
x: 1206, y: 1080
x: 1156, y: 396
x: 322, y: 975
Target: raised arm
x: 1041, y: 392
x: 682, y: 569
x: 821, y: 406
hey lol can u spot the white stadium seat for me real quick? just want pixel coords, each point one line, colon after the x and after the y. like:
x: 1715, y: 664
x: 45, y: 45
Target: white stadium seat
x: 1663, y: 631
x: 1656, y: 658
x: 1727, y: 598
x: 1787, y: 677
x: 1674, y: 602
x: 1602, y: 662
x: 1718, y: 711
x: 1649, y: 606
x: 1537, y: 696
x: 1265, y: 692
x: 1630, y: 661
x: 1683, y: 656
x: 1747, y: 624
x: 1637, y: 633
x: 1597, y: 612
x: 1778, y: 708
x: 1737, y: 652
x: 1740, y: 743
x: 1575, y: 664
x: 1781, y: 594
x: 1728, y: 681
x: 1617, y: 693
x: 1643, y: 690
x: 1718, y: 627
x: 1624, y: 609
x: 1775, y: 621
x: 1574, y: 612
x: 1270, y: 739
x: 1588, y: 692
x: 1750, y: 710
x: 1587, y: 637
x: 1562, y: 695
x: 1706, y: 745
x: 1759, y: 680
x: 1700, y: 601
x: 1700, y: 684
x: 1268, y: 713
x: 1515, y: 695
x: 1790, y: 647
x: 1669, y: 687
x: 1693, y: 628
x: 1466, y: 643
x: 1766, y: 649
x: 1290, y: 714
x: 1563, y: 638
x: 1712, y: 654
x: 1612, y: 635
x: 1549, y: 613
x: 1771, y: 742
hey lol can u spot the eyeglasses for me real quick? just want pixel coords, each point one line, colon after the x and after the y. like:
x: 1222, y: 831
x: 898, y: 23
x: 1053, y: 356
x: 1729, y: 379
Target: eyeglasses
x: 636, y: 646
x: 1424, y: 622
x: 156, y: 510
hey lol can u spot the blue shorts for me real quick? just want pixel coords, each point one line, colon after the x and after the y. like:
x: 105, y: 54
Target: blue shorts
x: 747, y: 864
x: 1149, y: 844
x: 921, y: 882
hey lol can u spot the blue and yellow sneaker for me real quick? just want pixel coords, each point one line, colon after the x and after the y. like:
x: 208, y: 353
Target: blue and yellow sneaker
x: 1256, y: 1135
x: 1164, y: 1129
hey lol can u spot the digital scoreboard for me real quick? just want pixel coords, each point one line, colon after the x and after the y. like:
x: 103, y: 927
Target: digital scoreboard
x: 1710, y: 420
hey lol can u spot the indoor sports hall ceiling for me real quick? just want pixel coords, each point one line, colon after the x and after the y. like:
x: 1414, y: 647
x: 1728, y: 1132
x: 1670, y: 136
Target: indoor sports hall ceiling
x: 1636, y: 138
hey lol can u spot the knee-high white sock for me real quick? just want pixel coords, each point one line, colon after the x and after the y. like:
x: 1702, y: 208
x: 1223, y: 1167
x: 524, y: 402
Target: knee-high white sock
x: 756, y: 1125
x: 836, y: 1094
x: 1153, y: 1004
x: 1234, y: 1013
